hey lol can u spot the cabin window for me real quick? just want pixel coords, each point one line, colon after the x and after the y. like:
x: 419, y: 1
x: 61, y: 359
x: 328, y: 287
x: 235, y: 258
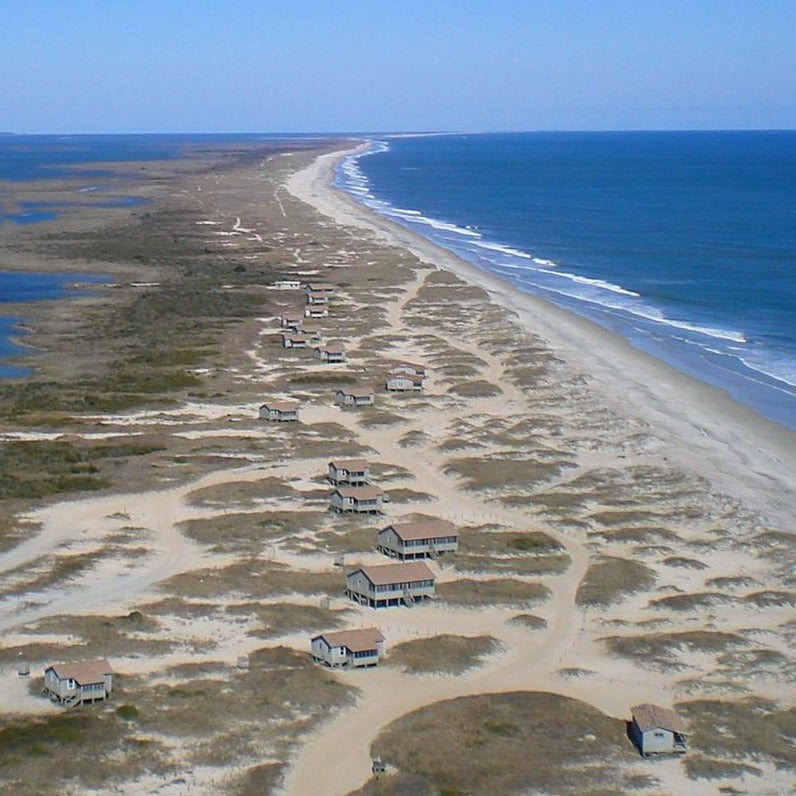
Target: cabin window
x: 660, y: 734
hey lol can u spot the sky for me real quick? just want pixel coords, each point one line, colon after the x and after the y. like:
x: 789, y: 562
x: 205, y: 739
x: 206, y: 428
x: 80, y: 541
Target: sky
x: 136, y: 66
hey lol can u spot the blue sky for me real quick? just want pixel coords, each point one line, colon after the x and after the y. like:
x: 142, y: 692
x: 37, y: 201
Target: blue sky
x: 393, y: 65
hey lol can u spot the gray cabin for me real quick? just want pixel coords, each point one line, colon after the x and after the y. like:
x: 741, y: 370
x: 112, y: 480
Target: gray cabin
x: 325, y: 288
x: 294, y: 340
x: 390, y: 584
x: 292, y: 322
x: 348, y: 648
x: 330, y: 353
x: 317, y: 297
x: 656, y: 730
x: 80, y: 683
x: 349, y: 472
x: 404, y: 382
x: 355, y: 396
x: 422, y: 539
x: 356, y: 499
x: 280, y: 411
x: 316, y: 311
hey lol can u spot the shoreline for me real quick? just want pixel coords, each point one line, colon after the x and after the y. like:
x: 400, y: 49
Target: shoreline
x: 704, y: 417
x: 217, y: 544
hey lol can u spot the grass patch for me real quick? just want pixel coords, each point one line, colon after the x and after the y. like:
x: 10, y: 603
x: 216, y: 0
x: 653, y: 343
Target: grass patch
x: 475, y: 389
x: 479, y: 745
x: 529, y: 620
x: 740, y: 730
x: 499, y: 591
x: 283, y: 618
x: 609, y: 580
x: 661, y: 650
x: 500, y: 474
x: 443, y: 654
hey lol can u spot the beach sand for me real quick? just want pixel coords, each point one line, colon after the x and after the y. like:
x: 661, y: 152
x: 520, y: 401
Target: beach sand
x: 644, y: 517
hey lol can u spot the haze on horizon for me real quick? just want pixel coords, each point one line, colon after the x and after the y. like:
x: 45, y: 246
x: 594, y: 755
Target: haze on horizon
x: 301, y: 66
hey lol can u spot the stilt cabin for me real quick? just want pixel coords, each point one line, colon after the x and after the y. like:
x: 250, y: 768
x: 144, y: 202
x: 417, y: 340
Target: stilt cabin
x: 423, y: 539
x: 349, y: 472
x: 656, y: 730
x: 330, y: 353
x: 280, y: 411
x: 294, y: 340
x: 348, y: 648
x: 357, y: 499
x: 355, y: 396
x: 82, y: 683
x: 404, y: 382
x: 390, y: 584
x: 316, y: 311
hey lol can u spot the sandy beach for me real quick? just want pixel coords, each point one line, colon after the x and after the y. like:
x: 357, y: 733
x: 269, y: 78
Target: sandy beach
x: 626, y: 534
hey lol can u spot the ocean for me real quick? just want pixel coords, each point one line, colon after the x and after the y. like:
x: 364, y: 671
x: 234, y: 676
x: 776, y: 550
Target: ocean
x: 684, y: 243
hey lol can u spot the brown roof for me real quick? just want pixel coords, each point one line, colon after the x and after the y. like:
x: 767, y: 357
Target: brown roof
x: 83, y: 672
x: 383, y: 574
x: 281, y: 406
x: 295, y: 337
x: 650, y: 717
x: 406, y: 364
x: 309, y: 326
x: 319, y: 286
x: 359, y: 492
x: 357, y: 392
x: 331, y: 349
x: 354, y: 465
x: 423, y: 529
x: 356, y: 640
x: 296, y: 318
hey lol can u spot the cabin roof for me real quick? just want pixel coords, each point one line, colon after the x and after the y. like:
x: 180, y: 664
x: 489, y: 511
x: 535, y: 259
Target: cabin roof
x: 423, y: 529
x: 357, y: 392
x: 335, y: 348
x: 404, y: 363
x: 281, y: 406
x: 349, y: 464
x: 365, y: 638
x: 83, y: 672
x: 406, y: 572
x: 650, y: 717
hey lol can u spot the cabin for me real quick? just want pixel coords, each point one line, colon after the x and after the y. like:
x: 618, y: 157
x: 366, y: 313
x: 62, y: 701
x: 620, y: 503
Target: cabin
x: 316, y: 311
x: 287, y: 284
x: 349, y: 472
x: 348, y: 648
x: 314, y: 297
x: 280, y: 411
x: 292, y: 322
x: 325, y: 288
x: 356, y: 499
x: 656, y: 730
x: 294, y: 340
x: 330, y: 353
x: 390, y: 584
x: 81, y: 683
x: 404, y: 382
x: 411, y: 368
x: 422, y: 539
x: 355, y: 396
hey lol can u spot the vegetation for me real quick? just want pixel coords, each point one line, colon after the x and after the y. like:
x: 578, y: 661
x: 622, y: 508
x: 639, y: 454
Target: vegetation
x: 608, y: 580
x: 480, y: 744
x: 443, y: 654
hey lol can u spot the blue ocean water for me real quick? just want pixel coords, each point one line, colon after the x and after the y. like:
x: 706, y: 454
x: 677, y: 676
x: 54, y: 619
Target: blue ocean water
x: 682, y: 242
